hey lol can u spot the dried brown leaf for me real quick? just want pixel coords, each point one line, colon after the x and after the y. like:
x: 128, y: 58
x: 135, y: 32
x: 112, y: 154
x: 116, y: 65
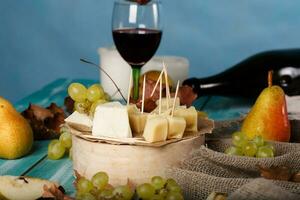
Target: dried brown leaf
x: 55, y: 109
x: 282, y: 173
x: 77, y: 177
x: 39, y: 112
x: 296, y: 177
x: 54, y: 192
x: 45, y: 122
x: 69, y: 104
x: 130, y: 184
x: 55, y: 122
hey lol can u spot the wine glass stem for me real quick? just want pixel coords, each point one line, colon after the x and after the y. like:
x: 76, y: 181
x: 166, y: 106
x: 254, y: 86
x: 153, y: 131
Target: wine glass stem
x: 136, y: 75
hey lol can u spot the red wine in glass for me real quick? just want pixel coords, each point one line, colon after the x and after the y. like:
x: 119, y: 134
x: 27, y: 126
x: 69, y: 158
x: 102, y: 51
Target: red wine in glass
x: 137, y: 45
x: 137, y: 31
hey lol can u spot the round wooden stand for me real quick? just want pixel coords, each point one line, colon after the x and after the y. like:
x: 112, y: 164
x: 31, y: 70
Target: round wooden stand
x: 123, y: 162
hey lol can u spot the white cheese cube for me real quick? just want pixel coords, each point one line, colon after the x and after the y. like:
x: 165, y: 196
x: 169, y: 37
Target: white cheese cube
x: 137, y: 123
x: 176, y: 127
x: 81, y: 122
x: 111, y: 120
x: 191, y: 117
x: 156, y: 129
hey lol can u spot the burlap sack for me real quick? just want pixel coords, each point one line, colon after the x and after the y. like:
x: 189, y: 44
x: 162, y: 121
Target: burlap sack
x: 262, y: 189
x: 209, y: 169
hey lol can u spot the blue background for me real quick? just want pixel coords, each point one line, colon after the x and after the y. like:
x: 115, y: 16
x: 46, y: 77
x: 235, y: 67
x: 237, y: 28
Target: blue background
x: 42, y: 40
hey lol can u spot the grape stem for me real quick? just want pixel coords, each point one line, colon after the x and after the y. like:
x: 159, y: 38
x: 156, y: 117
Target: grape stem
x: 91, y: 63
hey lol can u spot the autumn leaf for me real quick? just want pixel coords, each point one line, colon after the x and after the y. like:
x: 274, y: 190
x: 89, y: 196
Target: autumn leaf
x: 55, y: 192
x: 276, y: 173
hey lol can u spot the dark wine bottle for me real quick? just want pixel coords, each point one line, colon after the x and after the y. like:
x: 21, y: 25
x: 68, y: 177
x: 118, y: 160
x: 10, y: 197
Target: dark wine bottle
x: 249, y: 77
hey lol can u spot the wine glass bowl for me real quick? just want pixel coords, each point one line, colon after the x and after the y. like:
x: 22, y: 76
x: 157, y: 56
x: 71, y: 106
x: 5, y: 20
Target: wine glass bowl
x: 137, y: 31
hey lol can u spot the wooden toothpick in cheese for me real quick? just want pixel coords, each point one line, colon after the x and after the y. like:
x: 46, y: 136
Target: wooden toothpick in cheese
x: 191, y: 117
x: 156, y: 128
x: 81, y: 122
x: 111, y: 120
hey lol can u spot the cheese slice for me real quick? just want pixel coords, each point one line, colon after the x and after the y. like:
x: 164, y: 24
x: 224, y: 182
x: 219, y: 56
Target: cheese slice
x: 176, y: 127
x: 191, y: 117
x: 156, y: 128
x: 111, y: 120
x: 81, y: 122
x: 137, y: 122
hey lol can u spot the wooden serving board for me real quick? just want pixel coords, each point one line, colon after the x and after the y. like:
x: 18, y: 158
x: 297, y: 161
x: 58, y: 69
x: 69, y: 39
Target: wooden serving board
x: 205, y: 126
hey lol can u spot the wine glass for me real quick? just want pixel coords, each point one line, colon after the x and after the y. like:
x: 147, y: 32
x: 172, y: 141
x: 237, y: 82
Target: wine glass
x: 137, y: 31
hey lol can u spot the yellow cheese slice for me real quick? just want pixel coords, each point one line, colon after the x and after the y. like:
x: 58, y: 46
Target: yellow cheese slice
x: 191, y: 117
x: 156, y: 128
x: 137, y: 122
x: 176, y: 127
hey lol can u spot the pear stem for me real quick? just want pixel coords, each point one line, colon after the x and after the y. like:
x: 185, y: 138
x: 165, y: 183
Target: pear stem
x: 270, y: 78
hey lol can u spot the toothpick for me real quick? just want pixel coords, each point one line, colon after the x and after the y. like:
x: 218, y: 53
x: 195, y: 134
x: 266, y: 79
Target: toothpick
x: 156, y: 84
x: 176, y: 93
x: 143, y: 97
x: 168, y: 96
x: 160, y: 94
x: 129, y: 87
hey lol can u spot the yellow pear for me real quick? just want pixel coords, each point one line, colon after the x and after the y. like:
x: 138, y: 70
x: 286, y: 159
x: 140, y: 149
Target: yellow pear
x: 16, y: 136
x: 268, y: 117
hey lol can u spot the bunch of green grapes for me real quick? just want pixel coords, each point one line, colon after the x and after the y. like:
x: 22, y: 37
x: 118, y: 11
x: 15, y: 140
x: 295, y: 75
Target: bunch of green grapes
x: 256, y: 147
x: 58, y: 148
x: 87, y: 99
x: 159, y: 189
x: 98, y: 188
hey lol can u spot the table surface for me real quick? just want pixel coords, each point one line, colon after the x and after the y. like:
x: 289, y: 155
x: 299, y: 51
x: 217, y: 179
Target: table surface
x: 36, y: 164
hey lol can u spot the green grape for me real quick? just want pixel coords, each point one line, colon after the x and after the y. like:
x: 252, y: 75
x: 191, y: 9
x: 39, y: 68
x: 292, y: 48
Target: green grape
x: 95, y: 192
x: 106, y: 193
x: 63, y: 129
x: 173, y: 188
x: 158, y: 182
x: 52, y: 142
x: 259, y: 140
x: 239, y: 139
x: 174, y: 196
x: 270, y: 146
x: 95, y: 92
x: 85, y: 196
x: 250, y: 149
x: 171, y: 181
x: 236, y: 151
x: 95, y: 104
x: 163, y: 192
x: 100, y: 180
x: 82, y: 107
x: 123, y: 191
x: 84, y: 185
x: 77, y: 92
x: 145, y: 191
x: 56, y: 150
x: 107, y: 97
x: 66, y: 140
x: 157, y: 197
x: 265, y: 152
